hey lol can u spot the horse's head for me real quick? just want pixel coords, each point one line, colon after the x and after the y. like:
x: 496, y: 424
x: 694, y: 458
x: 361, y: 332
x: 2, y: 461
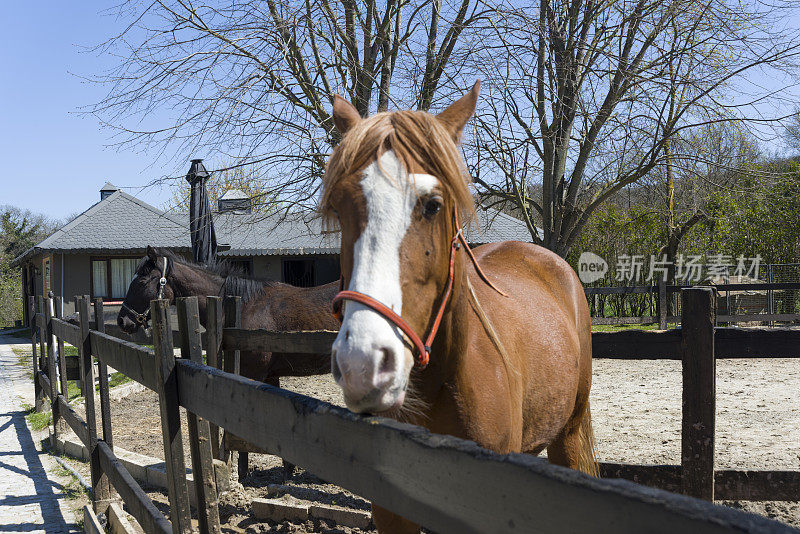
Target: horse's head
x: 145, y: 286
x: 396, y: 184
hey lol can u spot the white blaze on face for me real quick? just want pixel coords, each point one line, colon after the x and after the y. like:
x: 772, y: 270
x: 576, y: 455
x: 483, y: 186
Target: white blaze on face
x: 371, y: 362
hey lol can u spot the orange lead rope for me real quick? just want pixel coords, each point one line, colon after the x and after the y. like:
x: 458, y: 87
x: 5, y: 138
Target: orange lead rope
x: 423, y: 349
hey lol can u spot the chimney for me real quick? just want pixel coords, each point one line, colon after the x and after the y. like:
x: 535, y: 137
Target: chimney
x: 108, y: 190
x: 234, y: 201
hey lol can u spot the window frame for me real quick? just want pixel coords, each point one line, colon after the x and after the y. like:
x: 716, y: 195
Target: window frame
x: 107, y: 259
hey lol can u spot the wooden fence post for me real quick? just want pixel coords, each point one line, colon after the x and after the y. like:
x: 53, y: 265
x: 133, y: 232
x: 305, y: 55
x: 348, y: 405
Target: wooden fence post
x: 233, y: 318
x: 699, y: 392
x: 663, y: 308
x: 167, y: 384
x: 99, y: 482
x: 199, y: 434
x: 231, y: 364
x: 102, y: 371
x: 213, y: 359
x: 51, y: 366
x: 36, y: 335
x: 62, y: 363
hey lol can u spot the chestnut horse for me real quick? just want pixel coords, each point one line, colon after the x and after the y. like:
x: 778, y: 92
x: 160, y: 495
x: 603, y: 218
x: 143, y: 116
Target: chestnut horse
x: 508, y: 357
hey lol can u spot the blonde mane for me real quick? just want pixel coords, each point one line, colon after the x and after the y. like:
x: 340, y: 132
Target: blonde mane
x: 415, y: 137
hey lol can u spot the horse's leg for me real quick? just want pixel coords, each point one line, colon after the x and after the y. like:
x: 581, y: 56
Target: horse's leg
x: 575, y: 447
x: 391, y: 523
x: 288, y: 468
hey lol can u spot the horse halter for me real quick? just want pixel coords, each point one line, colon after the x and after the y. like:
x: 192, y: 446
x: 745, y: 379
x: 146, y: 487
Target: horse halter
x: 143, y: 318
x: 422, y: 349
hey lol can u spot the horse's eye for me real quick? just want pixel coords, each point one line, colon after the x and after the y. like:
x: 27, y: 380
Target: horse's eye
x: 431, y: 207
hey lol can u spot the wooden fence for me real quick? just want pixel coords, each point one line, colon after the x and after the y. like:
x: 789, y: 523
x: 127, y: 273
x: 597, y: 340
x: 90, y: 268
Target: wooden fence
x: 444, y: 483
x: 662, y: 290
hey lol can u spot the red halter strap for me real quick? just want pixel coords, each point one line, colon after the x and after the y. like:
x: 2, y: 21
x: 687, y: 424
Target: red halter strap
x: 422, y: 349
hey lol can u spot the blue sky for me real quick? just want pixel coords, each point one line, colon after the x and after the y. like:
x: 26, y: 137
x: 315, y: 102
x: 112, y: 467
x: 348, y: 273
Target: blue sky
x: 54, y: 160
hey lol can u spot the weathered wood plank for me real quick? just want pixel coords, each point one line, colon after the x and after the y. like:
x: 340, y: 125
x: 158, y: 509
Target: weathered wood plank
x: 91, y: 525
x: 102, y: 371
x: 637, y: 344
x: 136, y: 362
x: 62, y: 364
x: 36, y: 334
x: 167, y: 388
x: 74, y: 420
x: 105, y: 402
x: 100, y: 489
x: 136, y: 500
x: 232, y: 311
x: 753, y: 342
x: 699, y: 392
x: 214, y: 354
x: 44, y: 384
x: 65, y: 331
x: 729, y: 484
x: 414, y: 473
x: 757, y: 342
x: 231, y: 357
x: 666, y: 477
x: 52, y: 377
x: 309, y: 342
x: 757, y: 485
x: 199, y: 434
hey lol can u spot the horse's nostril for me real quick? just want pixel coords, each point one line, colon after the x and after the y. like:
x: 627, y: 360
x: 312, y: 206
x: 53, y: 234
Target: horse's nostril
x: 335, y: 370
x: 387, y: 360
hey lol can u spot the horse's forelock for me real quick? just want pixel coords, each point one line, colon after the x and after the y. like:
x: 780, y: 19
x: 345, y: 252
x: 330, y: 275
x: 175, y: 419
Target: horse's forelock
x: 415, y: 137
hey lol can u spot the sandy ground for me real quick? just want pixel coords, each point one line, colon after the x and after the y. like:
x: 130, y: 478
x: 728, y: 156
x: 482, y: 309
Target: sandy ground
x: 636, y: 408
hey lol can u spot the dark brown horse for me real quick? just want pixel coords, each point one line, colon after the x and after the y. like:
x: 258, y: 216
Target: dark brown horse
x: 507, y: 359
x: 266, y: 304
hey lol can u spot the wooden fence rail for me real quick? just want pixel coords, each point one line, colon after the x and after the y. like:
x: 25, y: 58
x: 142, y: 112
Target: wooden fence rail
x: 446, y: 484
x: 152, y: 369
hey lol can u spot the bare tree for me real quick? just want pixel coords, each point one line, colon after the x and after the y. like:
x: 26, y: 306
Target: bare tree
x: 588, y: 95
x: 253, y: 81
x: 239, y: 178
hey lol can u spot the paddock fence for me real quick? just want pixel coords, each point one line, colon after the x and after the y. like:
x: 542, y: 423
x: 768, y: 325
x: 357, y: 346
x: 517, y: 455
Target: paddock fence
x: 779, y: 302
x: 444, y: 483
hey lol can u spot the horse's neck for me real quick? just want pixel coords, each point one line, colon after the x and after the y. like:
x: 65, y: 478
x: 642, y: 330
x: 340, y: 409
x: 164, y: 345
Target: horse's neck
x: 191, y: 282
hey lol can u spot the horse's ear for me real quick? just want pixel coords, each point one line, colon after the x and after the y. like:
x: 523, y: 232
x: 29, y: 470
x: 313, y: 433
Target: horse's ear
x: 151, y: 253
x: 456, y: 116
x: 345, y: 115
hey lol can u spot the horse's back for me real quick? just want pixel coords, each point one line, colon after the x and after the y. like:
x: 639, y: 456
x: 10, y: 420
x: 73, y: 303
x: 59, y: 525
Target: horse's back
x: 544, y: 327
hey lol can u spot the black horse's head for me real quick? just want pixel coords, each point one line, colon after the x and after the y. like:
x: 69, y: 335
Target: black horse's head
x: 150, y: 282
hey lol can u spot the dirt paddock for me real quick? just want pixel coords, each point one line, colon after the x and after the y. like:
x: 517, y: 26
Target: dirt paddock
x: 636, y: 409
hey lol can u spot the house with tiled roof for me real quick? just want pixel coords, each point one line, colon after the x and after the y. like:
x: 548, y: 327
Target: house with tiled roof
x: 96, y: 253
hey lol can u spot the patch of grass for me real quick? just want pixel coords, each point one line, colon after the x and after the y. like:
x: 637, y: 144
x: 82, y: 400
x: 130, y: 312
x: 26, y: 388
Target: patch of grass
x: 73, y: 391
x: 620, y: 327
x: 24, y: 360
x: 117, y: 379
x: 76, y: 495
x: 37, y: 420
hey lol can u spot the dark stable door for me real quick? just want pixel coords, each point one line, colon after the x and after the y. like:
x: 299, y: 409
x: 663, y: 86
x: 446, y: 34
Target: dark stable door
x: 298, y: 272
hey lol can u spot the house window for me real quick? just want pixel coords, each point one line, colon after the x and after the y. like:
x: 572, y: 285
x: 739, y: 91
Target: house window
x: 112, y: 276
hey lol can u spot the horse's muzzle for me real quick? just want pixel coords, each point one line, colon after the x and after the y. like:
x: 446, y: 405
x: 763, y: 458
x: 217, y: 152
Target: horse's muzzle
x: 126, y: 324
